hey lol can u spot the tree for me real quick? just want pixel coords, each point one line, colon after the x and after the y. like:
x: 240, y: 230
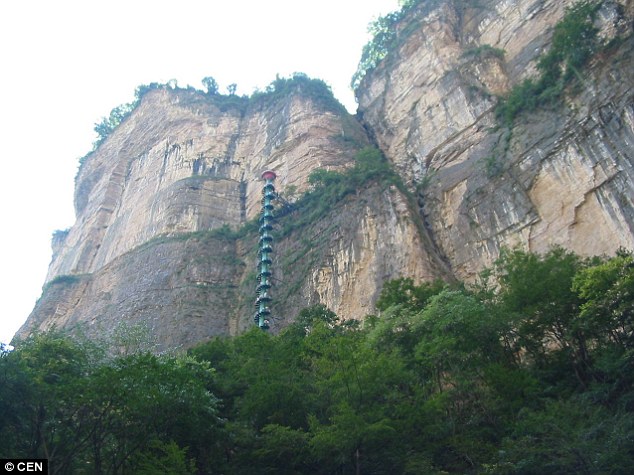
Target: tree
x: 210, y: 85
x: 42, y: 387
x: 575, y: 39
x: 352, y: 426
x: 310, y: 316
x: 607, y: 292
x: 402, y: 291
x: 536, y: 291
x: 282, y: 450
x: 606, y: 319
x: 110, y: 123
x: 63, y: 400
x: 568, y: 435
x: 143, y: 397
x: 163, y: 458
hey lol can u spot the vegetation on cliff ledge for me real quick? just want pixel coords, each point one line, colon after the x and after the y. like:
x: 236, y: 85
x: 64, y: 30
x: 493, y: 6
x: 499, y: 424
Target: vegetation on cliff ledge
x: 315, y: 89
x: 574, y: 41
x: 329, y: 187
x: 383, y: 32
x: 534, y: 375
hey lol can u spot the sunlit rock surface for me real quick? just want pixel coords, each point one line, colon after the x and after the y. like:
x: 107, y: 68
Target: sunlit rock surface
x: 560, y: 176
x: 142, y: 252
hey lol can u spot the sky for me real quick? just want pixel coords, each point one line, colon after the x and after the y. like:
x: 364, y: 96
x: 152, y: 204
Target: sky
x: 67, y: 63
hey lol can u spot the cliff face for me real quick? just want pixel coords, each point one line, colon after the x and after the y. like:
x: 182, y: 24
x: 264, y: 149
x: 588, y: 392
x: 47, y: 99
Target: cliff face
x: 561, y: 175
x: 186, y: 288
x: 145, y: 249
x: 180, y: 163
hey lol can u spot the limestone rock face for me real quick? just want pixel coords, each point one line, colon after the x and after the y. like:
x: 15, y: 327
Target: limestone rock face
x: 343, y: 259
x: 143, y: 252
x: 181, y: 164
x: 559, y: 176
x: 187, y: 288
x: 148, y: 248
x: 173, y: 292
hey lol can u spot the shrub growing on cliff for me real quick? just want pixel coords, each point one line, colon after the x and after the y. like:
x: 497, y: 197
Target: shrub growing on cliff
x: 107, y: 125
x: 315, y: 89
x: 485, y: 51
x: 328, y: 186
x: 385, y: 36
x: 574, y: 41
x: 211, y: 85
x: 383, y: 31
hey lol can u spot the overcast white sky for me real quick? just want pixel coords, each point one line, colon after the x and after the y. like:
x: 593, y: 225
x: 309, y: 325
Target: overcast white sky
x: 67, y: 63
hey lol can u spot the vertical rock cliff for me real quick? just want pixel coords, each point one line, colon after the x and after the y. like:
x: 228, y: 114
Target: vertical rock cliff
x: 165, y: 205
x: 180, y: 163
x: 559, y: 175
x: 159, y: 202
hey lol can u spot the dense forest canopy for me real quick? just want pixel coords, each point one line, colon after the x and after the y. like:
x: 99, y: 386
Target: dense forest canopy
x: 531, y: 370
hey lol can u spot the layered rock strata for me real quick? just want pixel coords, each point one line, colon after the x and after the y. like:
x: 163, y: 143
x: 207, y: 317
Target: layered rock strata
x: 559, y: 176
x: 181, y: 163
x: 184, y: 289
x: 146, y: 250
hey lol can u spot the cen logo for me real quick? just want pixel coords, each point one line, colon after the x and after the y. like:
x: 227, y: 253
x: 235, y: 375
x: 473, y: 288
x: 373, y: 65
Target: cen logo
x: 23, y: 466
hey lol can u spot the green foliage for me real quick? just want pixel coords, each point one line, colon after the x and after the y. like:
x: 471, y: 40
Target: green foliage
x: 64, y: 279
x: 537, y: 293
x: 528, y: 372
x: 164, y: 458
x: 127, y: 339
x: 222, y: 233
x: 567, y: 436
x: 60, y: 234
x: 403, y: 292
x: 388, y: 31
x: 524, y: 97
x: 63, y: 400
x: 282, y: 450
x: 310, y: 316
x: 211, y: 85
x: 231, y: 89
x: 107, y: 125
x: 494, y: 163
x: 607, y: 290
x: 458, y: 333
x: 330, y: 187
x: 573, y: 43
x: 315, y: 89
x: 383, y: 31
